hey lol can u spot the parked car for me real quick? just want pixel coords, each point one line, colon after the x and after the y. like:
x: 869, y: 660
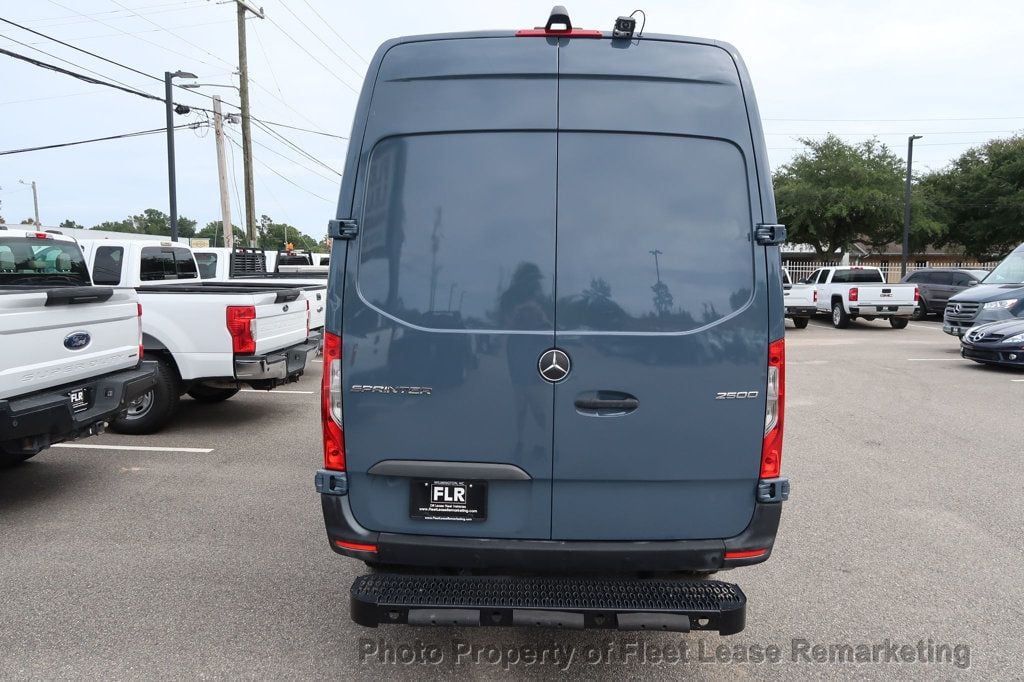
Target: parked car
x: 995, y: 343
x: 800, y: 299
x: 247, y: 266
x: 630, y: 424
x: 936, y: 285
x: 70, y: 352
x: 849, y: 292
x: 208, y: 338
x: 1000, y: 296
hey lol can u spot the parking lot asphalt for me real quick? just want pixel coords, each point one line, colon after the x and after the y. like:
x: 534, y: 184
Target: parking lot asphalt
x: 208, y: 559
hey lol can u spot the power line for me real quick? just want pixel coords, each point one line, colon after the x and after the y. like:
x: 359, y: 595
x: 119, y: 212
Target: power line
x: 322, y: 42
x: 310, y: 54
x: 184, y: 40
x: 291, y: 160
x: 295, y: 147
x: 266, y: 59
x: 176, y: 7
x: 283, y: 177
x: 305, y: 130
x: 79, y: 76
x: 138, y: 133
x: 901, y: 134
x: 895, y: 120
x: 331, y: 28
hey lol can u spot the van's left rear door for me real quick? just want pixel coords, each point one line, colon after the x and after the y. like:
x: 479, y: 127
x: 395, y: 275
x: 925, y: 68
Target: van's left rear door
x: 448, y: 302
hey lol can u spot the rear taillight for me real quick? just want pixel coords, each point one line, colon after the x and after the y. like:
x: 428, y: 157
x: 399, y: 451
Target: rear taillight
x: 854, y: 294
x: 307, y: 318
x: 240, y: 319
x: 917, y: 294
x: 771, y: 450
x: 815, y: 296
x: 330, y: 405
x: 141, y: 347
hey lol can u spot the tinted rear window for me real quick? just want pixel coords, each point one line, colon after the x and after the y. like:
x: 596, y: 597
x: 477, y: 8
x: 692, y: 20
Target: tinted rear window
x: 162, y: 263
x: 106, y: 268
x: 42, y: 262
x: 857, y: 277
x: 654, y: 232
x: 458, y: 230
x: 207, y: 263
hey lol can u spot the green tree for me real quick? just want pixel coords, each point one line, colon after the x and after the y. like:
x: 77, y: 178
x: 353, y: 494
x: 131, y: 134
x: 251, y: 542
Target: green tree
x: 836, y: 193
x: 274, y: 236
x: 71, y: 224
x: 214, y: 233
x: 28, y: 221
x: 981, y: 197
x: 150, y: 221
x: 116, y: 226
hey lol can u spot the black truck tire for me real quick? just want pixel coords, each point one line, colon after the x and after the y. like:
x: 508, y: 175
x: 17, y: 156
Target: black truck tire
x: 207, y: 394
x: 801, y: 322
x: 154, y: 408
x: 899, y: 322
x: 840, y: 320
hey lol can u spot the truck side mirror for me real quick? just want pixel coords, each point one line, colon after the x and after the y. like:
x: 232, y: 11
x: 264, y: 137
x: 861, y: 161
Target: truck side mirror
x: 972, y: 283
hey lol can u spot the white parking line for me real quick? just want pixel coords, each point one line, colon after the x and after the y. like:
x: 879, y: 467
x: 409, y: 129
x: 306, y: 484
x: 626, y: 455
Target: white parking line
x: 141, y: 448
x: 934, y: 359
x: 1017, y: 381
x: 253, y: 390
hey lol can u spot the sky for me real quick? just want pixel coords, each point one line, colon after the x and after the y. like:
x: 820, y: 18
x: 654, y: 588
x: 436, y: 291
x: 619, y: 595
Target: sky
x: 950, y: 71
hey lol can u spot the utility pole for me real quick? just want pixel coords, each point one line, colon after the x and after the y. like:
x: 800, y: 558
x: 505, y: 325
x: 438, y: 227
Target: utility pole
x: 243, y: 77
x: 906, y: 204
x: 171, y: 183
x: 35, y: 199
x: 222, y: 175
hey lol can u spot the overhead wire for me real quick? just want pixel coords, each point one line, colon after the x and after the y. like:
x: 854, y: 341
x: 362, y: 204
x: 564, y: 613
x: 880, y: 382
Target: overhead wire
x: 330, y: 27
x: 138, y: 133
x: 322, y: 41
x: 310, y: 54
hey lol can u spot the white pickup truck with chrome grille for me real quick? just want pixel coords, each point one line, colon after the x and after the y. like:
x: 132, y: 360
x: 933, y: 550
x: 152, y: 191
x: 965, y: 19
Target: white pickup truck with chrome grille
x: 208, y: 338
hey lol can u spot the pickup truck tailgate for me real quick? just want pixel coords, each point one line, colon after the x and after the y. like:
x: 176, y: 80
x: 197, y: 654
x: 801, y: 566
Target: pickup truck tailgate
x: 280, y: 325
x: 884, y: 295
x: 45, y: 345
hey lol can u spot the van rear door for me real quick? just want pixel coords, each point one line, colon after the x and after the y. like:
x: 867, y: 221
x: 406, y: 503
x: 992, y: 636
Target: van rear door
x: 448, y: 297
x: 662, y: 302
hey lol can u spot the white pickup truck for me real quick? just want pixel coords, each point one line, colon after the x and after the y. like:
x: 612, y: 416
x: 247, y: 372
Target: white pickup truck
x: 70, y: 352
x: 247, y: 266
x: 801, y: 301
x: 849, y: 292
x: 208, y: 338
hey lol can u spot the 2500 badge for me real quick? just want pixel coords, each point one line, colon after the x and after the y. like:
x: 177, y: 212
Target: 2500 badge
x: 736, y: 395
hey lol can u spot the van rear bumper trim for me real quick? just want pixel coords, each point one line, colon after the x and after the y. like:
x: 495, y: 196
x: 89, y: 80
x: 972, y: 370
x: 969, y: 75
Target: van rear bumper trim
x: 551, y: 556
x: 548, y: 601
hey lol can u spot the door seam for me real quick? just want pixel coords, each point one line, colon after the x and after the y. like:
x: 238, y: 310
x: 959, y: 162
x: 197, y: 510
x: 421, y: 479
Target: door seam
x: 554, y: 291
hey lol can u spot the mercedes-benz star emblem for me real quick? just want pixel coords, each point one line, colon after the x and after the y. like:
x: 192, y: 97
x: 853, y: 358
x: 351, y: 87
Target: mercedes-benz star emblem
x: 956, y: 308
x: 554, y: 365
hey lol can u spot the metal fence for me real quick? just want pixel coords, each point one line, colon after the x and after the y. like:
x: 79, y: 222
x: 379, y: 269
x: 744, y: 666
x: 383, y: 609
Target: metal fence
x: 799, y: 269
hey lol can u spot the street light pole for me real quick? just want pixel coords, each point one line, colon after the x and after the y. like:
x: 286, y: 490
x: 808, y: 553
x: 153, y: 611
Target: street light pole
x: 906, y: 204
x: 171, y: 183
x: 35, y: 199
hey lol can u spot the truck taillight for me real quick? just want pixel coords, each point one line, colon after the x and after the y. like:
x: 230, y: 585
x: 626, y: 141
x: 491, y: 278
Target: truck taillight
x: 307, y: 318
x: 917, y: 294
x: 240, y: 319
x: 330, y: 405
x: 815, y: 296
x: 771, y: 450
x: 854, y: 294
x: 141, y: 347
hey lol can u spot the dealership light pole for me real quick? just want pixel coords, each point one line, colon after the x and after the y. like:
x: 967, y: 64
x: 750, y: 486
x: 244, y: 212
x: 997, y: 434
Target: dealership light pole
x: 35, y: 198
x: 906, y: 204
x: 169, y: 108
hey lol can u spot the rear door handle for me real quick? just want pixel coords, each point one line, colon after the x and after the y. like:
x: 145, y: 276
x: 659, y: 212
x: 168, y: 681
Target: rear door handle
x: 597, y: 404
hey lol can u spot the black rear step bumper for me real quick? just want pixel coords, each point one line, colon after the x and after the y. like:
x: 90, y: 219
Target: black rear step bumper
x: 574, y: 603
x: 33, y: 422
x: 550, y: 556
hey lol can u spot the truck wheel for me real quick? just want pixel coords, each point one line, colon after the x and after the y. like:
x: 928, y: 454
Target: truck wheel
x: 153, y: 409
x: 899, y: 322
x: 801, y: 322
x: 840, y: 320
x: 9, y: 459
x: 206, y: 394
x: 920, y: 312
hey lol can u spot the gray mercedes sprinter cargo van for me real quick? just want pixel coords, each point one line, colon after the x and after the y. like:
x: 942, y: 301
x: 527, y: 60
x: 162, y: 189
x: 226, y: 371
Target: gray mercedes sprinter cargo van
x: 554, y: 361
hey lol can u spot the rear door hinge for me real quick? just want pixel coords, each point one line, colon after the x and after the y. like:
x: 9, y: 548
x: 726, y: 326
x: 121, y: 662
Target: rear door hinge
x: 768, y: 234
x: 342, y: 229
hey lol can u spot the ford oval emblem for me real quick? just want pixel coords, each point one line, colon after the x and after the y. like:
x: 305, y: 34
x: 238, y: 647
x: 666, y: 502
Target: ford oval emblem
x: 77, y: 340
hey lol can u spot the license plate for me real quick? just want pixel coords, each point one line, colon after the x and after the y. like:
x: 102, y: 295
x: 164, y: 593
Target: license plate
x: 79, y: 399
x: 448, y: 500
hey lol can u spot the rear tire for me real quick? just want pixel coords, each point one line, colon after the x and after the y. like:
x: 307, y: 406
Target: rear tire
x: 920, y: 312
x: 9, y: 459
x: 840, y: 320
x: 206, y: 394
x: 899, y: 322
x: 801, y: 322
x: 153, y: 409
